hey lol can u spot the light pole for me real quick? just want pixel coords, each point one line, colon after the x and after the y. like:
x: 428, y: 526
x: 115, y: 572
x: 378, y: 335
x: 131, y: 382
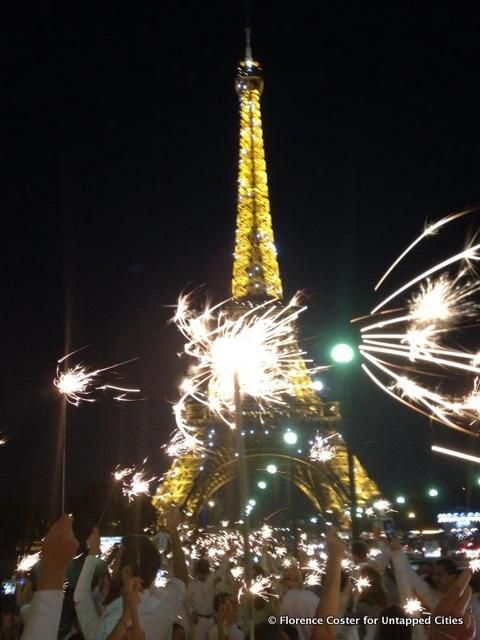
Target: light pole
x: 343, y: 353
x: 290, y: 438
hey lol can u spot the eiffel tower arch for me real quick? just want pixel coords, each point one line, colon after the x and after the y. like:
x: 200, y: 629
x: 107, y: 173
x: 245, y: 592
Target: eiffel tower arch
x: 195, y: 476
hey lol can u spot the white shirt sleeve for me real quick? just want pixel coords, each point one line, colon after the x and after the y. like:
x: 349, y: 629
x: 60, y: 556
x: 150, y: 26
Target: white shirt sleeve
x: 44, y: 616
x: 84, y: 604
x: 409, y: 582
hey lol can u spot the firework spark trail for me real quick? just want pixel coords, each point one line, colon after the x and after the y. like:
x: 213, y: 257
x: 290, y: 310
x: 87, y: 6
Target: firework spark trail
x: 429, y: 230
x: 78, y: 383
x: 3, y: 440
x: 424, y: 332
x: 361, y: 583
x: 261, y: 587
x: 258, y: 343
x: 134, y: 482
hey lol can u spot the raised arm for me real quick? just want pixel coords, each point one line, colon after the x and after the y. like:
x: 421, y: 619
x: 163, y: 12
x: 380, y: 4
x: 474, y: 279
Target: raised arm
x: 172, y: 519
x: 84, y: 605
x: 329, y: 604
x: 58, y: 550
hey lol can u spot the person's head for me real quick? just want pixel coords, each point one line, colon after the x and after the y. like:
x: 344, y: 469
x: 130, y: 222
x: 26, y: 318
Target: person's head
x: 393, y: 631
x: 375, y: 593
x: 178, y: 632
x: 292, y: 577
x: 444, y: 574
x: 137, y: 557
x: 201, y: 569
x: 359, y: 551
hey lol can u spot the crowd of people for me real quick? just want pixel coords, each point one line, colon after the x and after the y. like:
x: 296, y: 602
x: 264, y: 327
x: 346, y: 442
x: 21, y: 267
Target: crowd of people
x: 379, y: 597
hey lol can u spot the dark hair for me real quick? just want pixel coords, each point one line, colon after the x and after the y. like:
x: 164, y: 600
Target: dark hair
x: 140, y: 553
x: 393, y: 631
x: 450, y: 566
x: 219, y: 599
x: 360, y: 548
x: 266, y: 631
x: 202, y: 566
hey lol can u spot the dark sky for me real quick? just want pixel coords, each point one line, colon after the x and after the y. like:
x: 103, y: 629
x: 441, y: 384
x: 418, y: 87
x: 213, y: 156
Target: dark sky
x: 120, y: 150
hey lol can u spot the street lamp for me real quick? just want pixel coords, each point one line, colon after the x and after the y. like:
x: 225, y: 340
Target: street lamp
x: 433, y: 493
x: 400, y: 500
x: 290, y: 437
x: 262, y: 484
x: 271, y: 468
x: 411, y: 515
x: 318, y: 385
x: 342, y: 353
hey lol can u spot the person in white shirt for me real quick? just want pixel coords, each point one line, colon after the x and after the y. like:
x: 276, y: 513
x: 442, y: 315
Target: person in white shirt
x: 200, y: 596
x: 226, y: 625
x: 138, y: 557
x: 298, y: 602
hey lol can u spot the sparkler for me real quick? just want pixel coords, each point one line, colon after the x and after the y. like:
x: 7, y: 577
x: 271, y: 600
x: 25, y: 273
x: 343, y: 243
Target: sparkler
x: 361, y: 583
x: 474, y: 565
x: 456, y: 454
x: 78, y: 383
x: 3, y: 440
x: 413, y: 607
x: 260, y: 587
x: 27, y: 562
x: 321, y: 450
x: 138, y: 484
x: 416, y: 347
x: 257, y: 343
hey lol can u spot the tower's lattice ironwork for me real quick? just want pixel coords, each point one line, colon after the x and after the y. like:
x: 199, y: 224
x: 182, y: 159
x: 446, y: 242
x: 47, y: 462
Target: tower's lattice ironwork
x: 193, y: 476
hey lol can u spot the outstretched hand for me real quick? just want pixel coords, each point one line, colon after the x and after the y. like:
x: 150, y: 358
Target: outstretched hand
x: 335, y: 546
x: 93, y: 542
x: 58, y: 550
x: 454, y: 604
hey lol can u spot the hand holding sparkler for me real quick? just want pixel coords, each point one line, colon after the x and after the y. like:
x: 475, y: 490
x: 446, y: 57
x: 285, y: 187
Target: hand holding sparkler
x: 58, y: 550
x: 329, y: 604
x: 93, y: 542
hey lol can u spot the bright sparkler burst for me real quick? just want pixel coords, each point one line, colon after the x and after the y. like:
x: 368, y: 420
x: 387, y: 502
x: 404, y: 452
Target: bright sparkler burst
x: 413, y: 607
x: 135, y: 483
x: 257, y: 343
x: 260, y: 587
x: 361, y: 583
x: 78, y: 383
x: 322, y: 450
x: 27, y: 562
x: 421, y: 349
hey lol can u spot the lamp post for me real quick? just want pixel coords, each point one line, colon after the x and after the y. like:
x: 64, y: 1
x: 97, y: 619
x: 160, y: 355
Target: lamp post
x: 343, y: 353
x: 290, y: 438
x: 243, y: 486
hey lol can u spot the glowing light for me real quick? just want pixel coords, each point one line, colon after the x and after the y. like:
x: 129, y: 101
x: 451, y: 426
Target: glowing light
x: 417, y: 347
x: 317, y: 385
x: 262, y: 484
x: 78, y: 383
x: 411, y: 515
x: 260, y: 587
x: 211, y: 503
x: 400, y: 500
x: 474, y: 565
x: 413, y: 607
x: 137, y: 484
x: 361, y: 583
x: 456, y: 454
x: 290, y: 437
x: 27, y: 562
x: 322, y: 450
x: 257, y: 343
x: 271, y: 468
x: 342, y: 353
x: 3, y: 440
x: 433, y: 493
x: 382, y: 505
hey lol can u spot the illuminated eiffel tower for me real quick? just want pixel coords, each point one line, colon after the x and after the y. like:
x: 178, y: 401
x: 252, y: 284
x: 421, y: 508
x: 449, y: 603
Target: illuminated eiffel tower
x: 194, y: 477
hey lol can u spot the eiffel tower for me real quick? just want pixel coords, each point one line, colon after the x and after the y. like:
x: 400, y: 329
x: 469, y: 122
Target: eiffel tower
x: 193, y: 477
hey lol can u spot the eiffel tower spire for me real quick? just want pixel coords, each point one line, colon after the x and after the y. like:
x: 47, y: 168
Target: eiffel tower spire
x: 256, y: 275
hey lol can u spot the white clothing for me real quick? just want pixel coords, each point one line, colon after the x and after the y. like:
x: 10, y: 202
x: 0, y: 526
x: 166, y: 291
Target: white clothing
x: 44, y: 616
x: 157, y: 611
x: 300, y: 603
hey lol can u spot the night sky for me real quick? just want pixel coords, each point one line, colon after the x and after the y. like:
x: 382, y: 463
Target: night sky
x: 120, y: 141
